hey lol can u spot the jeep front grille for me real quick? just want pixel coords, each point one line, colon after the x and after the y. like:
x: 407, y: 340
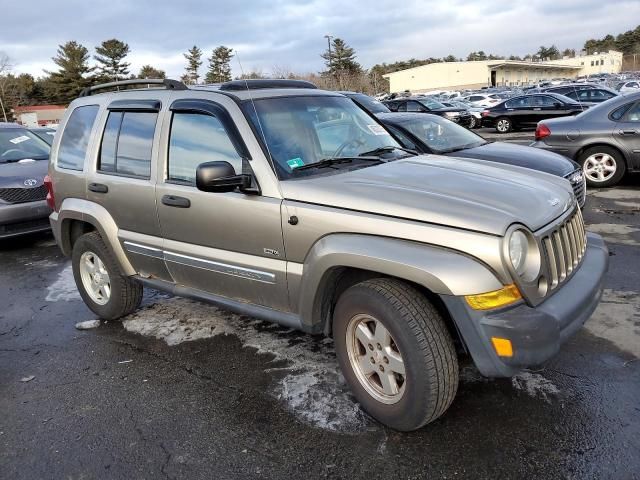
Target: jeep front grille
x: 564, y: 248
x: 22, y: 195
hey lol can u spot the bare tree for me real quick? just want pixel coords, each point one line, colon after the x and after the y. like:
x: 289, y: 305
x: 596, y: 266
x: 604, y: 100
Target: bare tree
x: 5, y: 68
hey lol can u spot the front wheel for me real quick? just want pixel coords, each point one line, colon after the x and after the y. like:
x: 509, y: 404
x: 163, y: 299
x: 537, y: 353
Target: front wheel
x: 107, y: 292
x: 602, y: 166
x: 504, y: 125
x: 395, y: 353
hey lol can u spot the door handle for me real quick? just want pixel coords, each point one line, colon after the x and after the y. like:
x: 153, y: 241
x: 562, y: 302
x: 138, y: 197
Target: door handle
x: 98, y: 188
x: 628, y: 132
x: 174, y: 201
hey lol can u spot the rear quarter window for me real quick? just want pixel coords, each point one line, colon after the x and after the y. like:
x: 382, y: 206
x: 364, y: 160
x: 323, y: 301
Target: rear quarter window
x: 75, y: 137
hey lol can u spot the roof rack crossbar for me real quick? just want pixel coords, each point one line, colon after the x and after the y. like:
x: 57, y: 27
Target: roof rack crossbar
x: 168, y: 84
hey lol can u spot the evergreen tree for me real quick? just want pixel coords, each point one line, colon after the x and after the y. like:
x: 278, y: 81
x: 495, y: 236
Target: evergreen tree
x: 110, y: 57
x: 341, y: 58
x: 194, y: 61
x: 147, y: 71
x: 219, y: 65
x: 67, y: 83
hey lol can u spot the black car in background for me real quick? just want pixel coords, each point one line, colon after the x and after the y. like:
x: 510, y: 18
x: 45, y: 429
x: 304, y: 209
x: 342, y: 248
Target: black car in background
x: 605, y: 139
x: 432, y: 134
x: 592, y: 95
x: 24, y: 160
x: 570, y: 87
x: 366, y: 102
x: 458, y: 115
x: 528, y: 110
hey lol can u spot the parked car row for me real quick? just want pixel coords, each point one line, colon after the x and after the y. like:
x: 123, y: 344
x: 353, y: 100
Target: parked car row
x: 298, y: 206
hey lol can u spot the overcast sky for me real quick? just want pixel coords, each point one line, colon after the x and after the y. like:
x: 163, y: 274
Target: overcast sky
x: 290, y: 34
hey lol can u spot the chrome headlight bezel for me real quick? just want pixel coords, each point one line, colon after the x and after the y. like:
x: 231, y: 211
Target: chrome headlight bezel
x: 529, y: 268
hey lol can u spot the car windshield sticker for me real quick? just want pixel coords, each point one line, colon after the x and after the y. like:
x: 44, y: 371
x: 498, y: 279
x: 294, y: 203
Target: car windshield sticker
x: 295, y: 163
x: 377, y: 130
x: 20, y: 139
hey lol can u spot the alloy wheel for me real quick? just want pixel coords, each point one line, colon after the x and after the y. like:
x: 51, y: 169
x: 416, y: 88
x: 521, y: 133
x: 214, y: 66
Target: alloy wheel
x: 599, y: 167
x: 375, y: 359
x: 95, y: 278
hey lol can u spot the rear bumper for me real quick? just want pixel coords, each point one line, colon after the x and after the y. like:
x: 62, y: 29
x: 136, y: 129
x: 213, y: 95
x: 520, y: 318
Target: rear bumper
x: 568, y: 151
x: 22, y: 218
x: 535, y: 333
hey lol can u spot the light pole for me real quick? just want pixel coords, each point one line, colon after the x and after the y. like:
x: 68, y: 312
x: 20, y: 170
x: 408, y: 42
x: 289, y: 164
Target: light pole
x: 329, y: 37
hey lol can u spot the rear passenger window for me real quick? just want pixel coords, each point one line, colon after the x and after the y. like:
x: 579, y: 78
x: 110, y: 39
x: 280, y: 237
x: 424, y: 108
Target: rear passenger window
x: 75, y: 138
x: 195, y: 139
x: 127, y: 142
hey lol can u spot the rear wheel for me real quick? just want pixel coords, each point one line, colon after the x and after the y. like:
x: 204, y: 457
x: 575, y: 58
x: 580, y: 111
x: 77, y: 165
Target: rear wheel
x: 107, y: 292
x: 602, y: 166
x: 504, y: 125
x: 395, y: 352
x: 473, y: 123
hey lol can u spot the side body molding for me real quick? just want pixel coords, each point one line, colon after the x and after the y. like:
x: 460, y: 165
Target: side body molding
x: 443, y: 271
x: 96, y: 215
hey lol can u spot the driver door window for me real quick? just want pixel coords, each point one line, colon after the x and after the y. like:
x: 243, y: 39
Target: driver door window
x: 414, y: 107
x: 195, y: 139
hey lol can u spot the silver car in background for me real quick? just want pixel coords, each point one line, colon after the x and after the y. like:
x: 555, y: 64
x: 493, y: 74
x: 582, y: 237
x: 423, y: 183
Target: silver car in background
x: 605, y: 139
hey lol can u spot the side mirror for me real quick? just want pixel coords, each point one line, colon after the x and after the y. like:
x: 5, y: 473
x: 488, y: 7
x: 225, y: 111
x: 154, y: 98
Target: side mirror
x: 557, y: 105
x: 220, y: 177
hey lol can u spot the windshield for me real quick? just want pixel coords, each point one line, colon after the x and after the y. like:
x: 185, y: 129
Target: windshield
x: 302, y: 130
x: 431, y: 104
x: 19, y: 144
x: 441, y: 135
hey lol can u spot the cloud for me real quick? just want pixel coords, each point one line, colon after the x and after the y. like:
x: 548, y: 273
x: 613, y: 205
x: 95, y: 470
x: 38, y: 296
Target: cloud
x: 266, y: 33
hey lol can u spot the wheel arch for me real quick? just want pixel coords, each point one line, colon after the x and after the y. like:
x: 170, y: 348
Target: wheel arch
x: 601, y: 144
x: 338, y: 261
x: 77, y: 217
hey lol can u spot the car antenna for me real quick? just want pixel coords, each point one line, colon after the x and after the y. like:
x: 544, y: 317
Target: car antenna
x: 255, y: 111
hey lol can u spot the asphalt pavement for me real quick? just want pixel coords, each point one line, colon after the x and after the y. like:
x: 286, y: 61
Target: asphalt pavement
x: 184, y: 390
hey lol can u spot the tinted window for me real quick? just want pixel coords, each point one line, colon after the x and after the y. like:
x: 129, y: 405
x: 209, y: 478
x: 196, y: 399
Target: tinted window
x: 618, y: 113
x: 633, y: 115
x: 107, y: 161
x: 126, y: 144
x: 402, y: 107
x: 75, y: 138
x: 414, y: 107
x: 197, y: 139
x: 519, y: 102
x: 544, y: 101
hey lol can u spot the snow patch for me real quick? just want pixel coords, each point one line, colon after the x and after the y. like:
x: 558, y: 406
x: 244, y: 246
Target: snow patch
x: 64, y: 288
x: 312, y: 387
x: 535, y: 385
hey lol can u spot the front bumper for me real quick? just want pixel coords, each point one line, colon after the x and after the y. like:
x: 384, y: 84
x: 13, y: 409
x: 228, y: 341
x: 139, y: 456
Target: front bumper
x: 535, y: 333
x: 22, y: 218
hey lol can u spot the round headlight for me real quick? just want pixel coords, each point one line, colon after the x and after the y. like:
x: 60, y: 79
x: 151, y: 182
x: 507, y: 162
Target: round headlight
x: 518, y: 249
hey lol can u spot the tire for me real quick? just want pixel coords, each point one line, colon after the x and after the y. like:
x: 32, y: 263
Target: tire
x: 504, y: 125
x: 417, y: 335
x: 124, y: 293
x: 473, y: 124
x: 602, y: 166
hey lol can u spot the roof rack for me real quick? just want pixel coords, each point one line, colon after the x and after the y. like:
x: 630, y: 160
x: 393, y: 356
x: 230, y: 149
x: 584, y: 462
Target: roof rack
x: 168, y: 84
x: 254, y: 84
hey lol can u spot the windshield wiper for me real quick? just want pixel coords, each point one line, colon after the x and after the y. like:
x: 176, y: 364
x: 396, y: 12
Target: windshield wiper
x: 327, y: 162
x: 388, y: 148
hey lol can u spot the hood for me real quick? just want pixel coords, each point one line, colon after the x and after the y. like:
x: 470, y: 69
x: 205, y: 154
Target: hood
x: 14, y: 175
x: 520, y: 156
x: 448, y: 191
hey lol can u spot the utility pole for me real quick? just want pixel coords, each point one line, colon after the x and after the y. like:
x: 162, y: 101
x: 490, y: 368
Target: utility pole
x: 329, y: 37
